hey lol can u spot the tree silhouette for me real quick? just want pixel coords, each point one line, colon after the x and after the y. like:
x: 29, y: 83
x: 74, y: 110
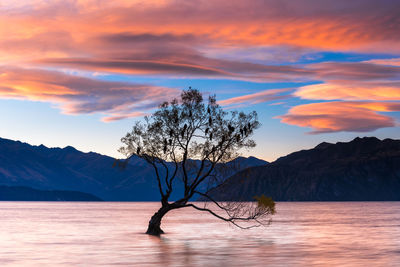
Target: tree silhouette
x: 191, y: 140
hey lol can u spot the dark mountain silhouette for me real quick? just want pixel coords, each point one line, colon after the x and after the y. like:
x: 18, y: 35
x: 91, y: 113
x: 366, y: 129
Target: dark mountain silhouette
x: 23, y: 193
x: 46, y: 168
x: 365, y: 169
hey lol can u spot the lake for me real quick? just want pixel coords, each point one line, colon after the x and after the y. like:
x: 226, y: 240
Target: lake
x: 111, y: 234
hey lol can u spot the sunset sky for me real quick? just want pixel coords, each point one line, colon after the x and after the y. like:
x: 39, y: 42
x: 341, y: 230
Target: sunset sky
x: 81, y: 72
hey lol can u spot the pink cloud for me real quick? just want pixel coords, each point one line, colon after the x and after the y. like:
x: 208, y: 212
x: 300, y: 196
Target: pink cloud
x: 94, y: 29
x: 353, y: 71
x: 363, y: 89
x: 331, y: 117
x: 256, y: 98
x: 116, y: 117
x: 350, y: 90
x: 79, y: 95
x: 183, y: 39
x: 388, y: 62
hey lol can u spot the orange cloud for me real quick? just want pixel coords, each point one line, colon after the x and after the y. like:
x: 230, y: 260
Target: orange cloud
x: 341, y: 116
x: 351, y: 91
x: 37, y: 29
x: 79, y: 95
x: 183, y: 39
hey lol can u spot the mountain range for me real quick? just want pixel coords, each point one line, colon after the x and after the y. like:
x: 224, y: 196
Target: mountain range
x: 43, y: 168
x: 365, y: 169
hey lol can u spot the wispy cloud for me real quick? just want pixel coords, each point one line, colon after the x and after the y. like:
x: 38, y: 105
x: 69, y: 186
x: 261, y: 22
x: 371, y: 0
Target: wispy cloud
x: 78, y: 95
x: 386, y: 91
x: 139, y: 66
x: 256, y: 98
x: 94, y: 29
x: 367, y: 25
x: 388, y: 62
x: 363, y: 91
x: 356, y: 71
x: 208, y: 39
x: 338, y: 116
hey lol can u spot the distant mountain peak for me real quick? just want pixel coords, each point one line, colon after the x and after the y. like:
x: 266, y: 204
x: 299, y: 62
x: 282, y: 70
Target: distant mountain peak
x: 365, y: 139
x: 5, y: 140
x: 357, y: 140
x: 70, y: 149
x: 323, y: 145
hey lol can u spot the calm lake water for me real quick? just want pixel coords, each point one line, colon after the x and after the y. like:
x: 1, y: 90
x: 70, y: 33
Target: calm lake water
x: 111, y: 234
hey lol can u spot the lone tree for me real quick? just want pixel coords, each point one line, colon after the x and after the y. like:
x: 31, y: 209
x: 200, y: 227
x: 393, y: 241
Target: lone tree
x: 188, y: 141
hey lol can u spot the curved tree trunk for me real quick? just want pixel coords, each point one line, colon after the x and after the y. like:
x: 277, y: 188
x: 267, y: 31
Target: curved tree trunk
x: 155, y: 221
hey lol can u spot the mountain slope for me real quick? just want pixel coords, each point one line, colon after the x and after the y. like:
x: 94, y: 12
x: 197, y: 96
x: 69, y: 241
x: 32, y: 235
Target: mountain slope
x: 363, y: 169
x: 46, y: 168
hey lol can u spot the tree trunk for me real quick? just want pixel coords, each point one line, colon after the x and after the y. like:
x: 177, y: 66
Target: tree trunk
x: 155, y: 221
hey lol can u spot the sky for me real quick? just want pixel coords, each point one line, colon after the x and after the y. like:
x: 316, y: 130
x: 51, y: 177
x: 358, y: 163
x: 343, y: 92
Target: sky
x: 81, y: 72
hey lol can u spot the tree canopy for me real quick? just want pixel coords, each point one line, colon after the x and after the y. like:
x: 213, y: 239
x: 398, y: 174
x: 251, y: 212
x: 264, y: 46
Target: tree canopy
x: 190, y: 141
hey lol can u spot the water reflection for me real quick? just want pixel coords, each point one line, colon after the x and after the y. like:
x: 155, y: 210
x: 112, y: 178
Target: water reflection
x: 108, y: 234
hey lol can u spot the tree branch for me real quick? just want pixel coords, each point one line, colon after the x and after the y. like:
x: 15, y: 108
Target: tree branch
x: 230, y: 219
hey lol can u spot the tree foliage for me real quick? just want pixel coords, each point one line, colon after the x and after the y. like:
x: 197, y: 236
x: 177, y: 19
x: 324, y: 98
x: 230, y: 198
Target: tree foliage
x: 191, y: 139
